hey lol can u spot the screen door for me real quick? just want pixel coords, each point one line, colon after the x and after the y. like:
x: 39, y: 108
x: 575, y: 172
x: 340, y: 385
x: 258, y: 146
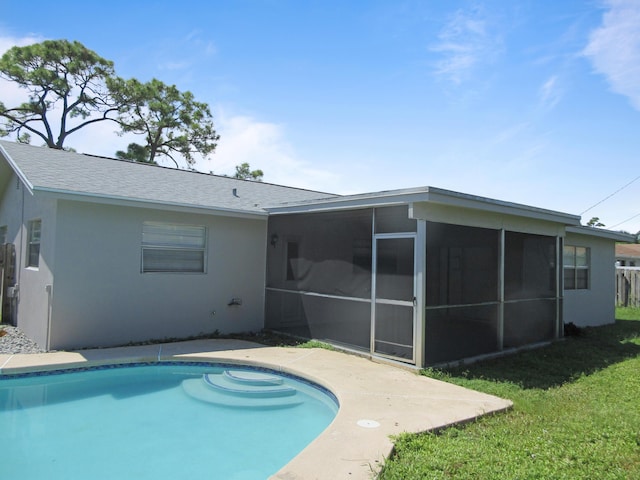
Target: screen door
x: 394, y: 297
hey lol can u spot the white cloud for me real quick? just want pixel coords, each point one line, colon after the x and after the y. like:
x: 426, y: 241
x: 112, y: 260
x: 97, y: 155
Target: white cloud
x: 550, y: 93
x: 10, y: 93
x: 244, y: 139
x: 614, y: 48
x: 97, y: 139
x: 186, y: 52
x: 464, y: 43
x: 263, y: 145
x: 7, y: 42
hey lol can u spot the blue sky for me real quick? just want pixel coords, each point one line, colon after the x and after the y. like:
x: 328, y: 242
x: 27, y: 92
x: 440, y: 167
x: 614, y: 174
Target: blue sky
x: 534, y: 102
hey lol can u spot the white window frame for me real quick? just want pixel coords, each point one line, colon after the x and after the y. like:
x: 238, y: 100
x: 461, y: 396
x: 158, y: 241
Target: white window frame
x: 34, y: 239
x: 173, y: 248
x: 575, y: 268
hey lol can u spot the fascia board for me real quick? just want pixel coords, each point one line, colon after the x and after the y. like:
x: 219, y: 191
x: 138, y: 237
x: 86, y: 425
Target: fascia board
x: 602, y: 233
x: 463, y: 200
x: 342, y: 204
x: 427, y: 195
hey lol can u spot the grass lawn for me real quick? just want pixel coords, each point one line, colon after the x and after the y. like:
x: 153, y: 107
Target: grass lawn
x: 576, y: 414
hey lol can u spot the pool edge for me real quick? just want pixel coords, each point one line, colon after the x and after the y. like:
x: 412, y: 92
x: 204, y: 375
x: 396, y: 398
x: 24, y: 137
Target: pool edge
x: 395, y: 399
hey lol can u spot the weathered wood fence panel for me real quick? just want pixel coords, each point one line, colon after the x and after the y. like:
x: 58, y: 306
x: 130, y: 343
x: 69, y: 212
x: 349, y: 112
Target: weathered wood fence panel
x: 628, y: 286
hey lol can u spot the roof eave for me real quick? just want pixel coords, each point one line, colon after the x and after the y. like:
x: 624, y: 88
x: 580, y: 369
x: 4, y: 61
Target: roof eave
x: 602, y: 233
x: 426, y: 195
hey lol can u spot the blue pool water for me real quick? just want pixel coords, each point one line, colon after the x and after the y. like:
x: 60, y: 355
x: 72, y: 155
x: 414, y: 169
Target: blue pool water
x: 160, y: 421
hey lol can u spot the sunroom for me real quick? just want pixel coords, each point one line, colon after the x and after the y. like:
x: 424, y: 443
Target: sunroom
x: 422, y: 276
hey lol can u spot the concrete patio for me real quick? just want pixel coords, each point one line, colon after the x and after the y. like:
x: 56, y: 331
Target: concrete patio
x: 397, y: 399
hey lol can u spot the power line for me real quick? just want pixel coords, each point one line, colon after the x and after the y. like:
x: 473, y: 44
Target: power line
x: 609, y: 196
x: 625, y: 221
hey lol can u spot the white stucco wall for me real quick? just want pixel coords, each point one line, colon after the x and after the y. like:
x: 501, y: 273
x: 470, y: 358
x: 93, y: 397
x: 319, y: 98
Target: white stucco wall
x: 101, y: 298
x: 596, y: 305
x: 17, y: 208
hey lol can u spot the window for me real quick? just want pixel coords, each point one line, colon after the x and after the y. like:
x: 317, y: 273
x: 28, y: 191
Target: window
x: 3, y: 235
x: 576, y: 267
x: 33, y: 243
x: 173, y: 248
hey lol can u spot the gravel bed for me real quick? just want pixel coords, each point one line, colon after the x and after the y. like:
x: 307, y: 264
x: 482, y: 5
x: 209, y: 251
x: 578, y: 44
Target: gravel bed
x: 12, y: 340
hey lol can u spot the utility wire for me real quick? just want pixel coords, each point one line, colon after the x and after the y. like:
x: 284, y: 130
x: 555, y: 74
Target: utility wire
x: 609, y: 196
x: 624, y: 221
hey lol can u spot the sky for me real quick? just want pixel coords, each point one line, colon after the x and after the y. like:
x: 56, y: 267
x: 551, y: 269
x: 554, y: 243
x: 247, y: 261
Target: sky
x: 534, y: 102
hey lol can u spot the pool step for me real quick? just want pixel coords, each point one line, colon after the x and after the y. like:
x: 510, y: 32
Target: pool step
x: 248, y: 377
x: 232, y: 386
x: 242, y: 389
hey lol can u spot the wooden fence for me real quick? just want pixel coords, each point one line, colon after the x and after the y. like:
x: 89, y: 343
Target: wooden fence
x: 628, y: 286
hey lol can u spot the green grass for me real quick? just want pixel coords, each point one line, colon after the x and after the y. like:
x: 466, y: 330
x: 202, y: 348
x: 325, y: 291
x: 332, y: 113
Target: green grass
x: 576, y: 414
x: 629, y: 313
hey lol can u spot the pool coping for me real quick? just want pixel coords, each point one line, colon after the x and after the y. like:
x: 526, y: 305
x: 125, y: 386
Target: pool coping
x: 377, y: 401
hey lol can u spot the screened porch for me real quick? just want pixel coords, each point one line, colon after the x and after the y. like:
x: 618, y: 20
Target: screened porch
x: 422, y: 292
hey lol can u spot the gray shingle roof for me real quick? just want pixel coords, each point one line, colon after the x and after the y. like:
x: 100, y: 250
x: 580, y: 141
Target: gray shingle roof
x: 45, y: 169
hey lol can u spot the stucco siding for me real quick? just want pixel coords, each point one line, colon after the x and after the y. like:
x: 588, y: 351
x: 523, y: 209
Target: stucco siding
x: 101, y: 298
x: 17, y: 208
x: 595, y: 305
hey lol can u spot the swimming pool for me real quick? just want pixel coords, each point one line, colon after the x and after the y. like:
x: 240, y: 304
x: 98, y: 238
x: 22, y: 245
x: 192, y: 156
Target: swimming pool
x: 157, y: 421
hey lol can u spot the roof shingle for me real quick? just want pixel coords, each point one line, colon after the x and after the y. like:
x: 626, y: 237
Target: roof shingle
x: 45, y: 169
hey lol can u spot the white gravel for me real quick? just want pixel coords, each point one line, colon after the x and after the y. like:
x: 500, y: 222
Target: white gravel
x: 14, y: 341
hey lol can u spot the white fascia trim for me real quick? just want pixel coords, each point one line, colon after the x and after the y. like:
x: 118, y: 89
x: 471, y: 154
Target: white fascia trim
x: 602, y: 233
x: 426, y: 195
x: 464, y: 200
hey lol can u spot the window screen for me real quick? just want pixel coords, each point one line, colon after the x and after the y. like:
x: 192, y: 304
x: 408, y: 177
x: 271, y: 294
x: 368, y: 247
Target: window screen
x: 173, y: 248
x: 326, y: 253
x: 462, y: 264
x: 529, y: 266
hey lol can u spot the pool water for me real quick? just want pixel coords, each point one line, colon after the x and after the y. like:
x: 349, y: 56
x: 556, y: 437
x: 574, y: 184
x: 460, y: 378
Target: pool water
x: 160, y: 421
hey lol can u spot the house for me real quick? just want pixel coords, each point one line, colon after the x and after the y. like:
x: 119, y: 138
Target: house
x: 628, y: 255
x: 109, y: 252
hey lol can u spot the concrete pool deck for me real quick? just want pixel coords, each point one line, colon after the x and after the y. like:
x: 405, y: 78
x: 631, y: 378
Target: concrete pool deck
x: 386, y: 399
